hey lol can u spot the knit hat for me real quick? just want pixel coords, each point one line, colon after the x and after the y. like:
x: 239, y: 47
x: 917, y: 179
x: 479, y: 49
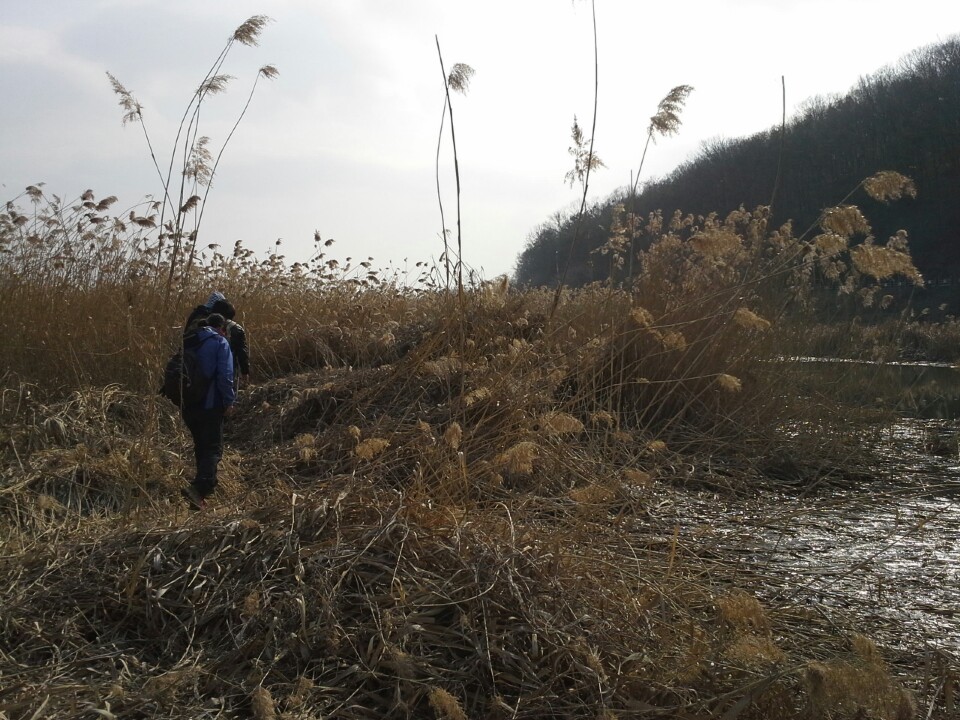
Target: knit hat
x: 214, y: 297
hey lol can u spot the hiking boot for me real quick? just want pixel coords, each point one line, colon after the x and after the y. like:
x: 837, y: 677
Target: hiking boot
x: 193, y: 496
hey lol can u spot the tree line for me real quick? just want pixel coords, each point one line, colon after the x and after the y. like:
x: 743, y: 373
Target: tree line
x: 905, y: 117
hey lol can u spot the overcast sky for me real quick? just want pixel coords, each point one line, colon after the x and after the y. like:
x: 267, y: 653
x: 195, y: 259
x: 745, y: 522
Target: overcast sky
x: 344, y: 140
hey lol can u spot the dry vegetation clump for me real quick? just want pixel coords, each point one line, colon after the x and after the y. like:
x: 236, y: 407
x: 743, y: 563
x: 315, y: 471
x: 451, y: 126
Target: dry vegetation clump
x: 912, y: 338
x: 94, y: 453
x: 431, y: 504
x: 353, y: 599
x: 857, y: 685
x: 89, y: 301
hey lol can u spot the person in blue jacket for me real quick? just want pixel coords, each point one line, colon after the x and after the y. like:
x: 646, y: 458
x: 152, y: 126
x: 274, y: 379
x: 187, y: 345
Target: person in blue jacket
x: 237, y: 337
x: 205, y: 419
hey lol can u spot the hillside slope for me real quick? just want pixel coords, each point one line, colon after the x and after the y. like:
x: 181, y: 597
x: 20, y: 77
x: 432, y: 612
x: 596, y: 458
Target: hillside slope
x: 904, y: 118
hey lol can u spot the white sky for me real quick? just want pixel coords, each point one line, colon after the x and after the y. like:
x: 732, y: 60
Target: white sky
x: 344, y: 140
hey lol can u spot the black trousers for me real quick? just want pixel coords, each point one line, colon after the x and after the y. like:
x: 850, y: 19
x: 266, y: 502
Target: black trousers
x: 206, y: 427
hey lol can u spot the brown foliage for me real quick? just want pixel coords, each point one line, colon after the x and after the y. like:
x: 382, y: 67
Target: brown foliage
x: 428, y: 505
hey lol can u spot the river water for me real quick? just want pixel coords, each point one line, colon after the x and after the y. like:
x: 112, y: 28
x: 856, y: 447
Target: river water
x: 911, y: 389
x: 882, y: 558
x: 889, y: 550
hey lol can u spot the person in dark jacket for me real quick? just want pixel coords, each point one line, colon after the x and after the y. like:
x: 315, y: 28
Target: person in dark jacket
x: 237, y: 337
x: 200, y: 313
x: 205, y: 419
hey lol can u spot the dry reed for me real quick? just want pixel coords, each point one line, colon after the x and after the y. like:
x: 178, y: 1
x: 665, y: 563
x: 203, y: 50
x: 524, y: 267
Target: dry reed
x: 430, y: 504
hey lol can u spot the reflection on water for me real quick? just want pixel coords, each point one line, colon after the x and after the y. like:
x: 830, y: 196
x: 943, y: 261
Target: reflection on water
x: 914, y: 389
x: 892, y: 561
x: 885, y: 556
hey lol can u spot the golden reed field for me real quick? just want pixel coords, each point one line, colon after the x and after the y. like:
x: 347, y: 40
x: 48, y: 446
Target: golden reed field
x: 442, y: 496
x: 435, y: 502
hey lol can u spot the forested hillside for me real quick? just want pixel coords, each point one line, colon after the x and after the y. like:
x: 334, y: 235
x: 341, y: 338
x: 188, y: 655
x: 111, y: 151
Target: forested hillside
x: 905, y: 118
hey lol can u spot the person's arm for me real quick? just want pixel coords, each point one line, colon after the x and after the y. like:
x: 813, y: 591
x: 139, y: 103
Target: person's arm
x: 238, y: 344
x: 224, y: 374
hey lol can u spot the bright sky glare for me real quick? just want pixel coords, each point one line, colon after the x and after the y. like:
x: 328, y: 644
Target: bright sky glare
x: 344, y: 141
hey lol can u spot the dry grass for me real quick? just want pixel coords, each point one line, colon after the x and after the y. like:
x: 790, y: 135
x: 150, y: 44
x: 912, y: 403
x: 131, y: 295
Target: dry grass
x: 908, y: 338
x: 431, y: 506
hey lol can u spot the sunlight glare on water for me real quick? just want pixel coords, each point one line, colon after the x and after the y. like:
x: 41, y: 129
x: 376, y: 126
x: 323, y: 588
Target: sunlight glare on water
x: 885, y: 555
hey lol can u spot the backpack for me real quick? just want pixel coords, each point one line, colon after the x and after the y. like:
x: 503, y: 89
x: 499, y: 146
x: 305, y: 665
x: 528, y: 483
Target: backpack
x: 183, y: 381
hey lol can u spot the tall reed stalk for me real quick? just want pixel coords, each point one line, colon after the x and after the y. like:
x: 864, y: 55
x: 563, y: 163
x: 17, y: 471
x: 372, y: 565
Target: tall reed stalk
x: 190, y: 154
x: 665, y: 121
x: 458, y: 80
x: 584, y: 161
